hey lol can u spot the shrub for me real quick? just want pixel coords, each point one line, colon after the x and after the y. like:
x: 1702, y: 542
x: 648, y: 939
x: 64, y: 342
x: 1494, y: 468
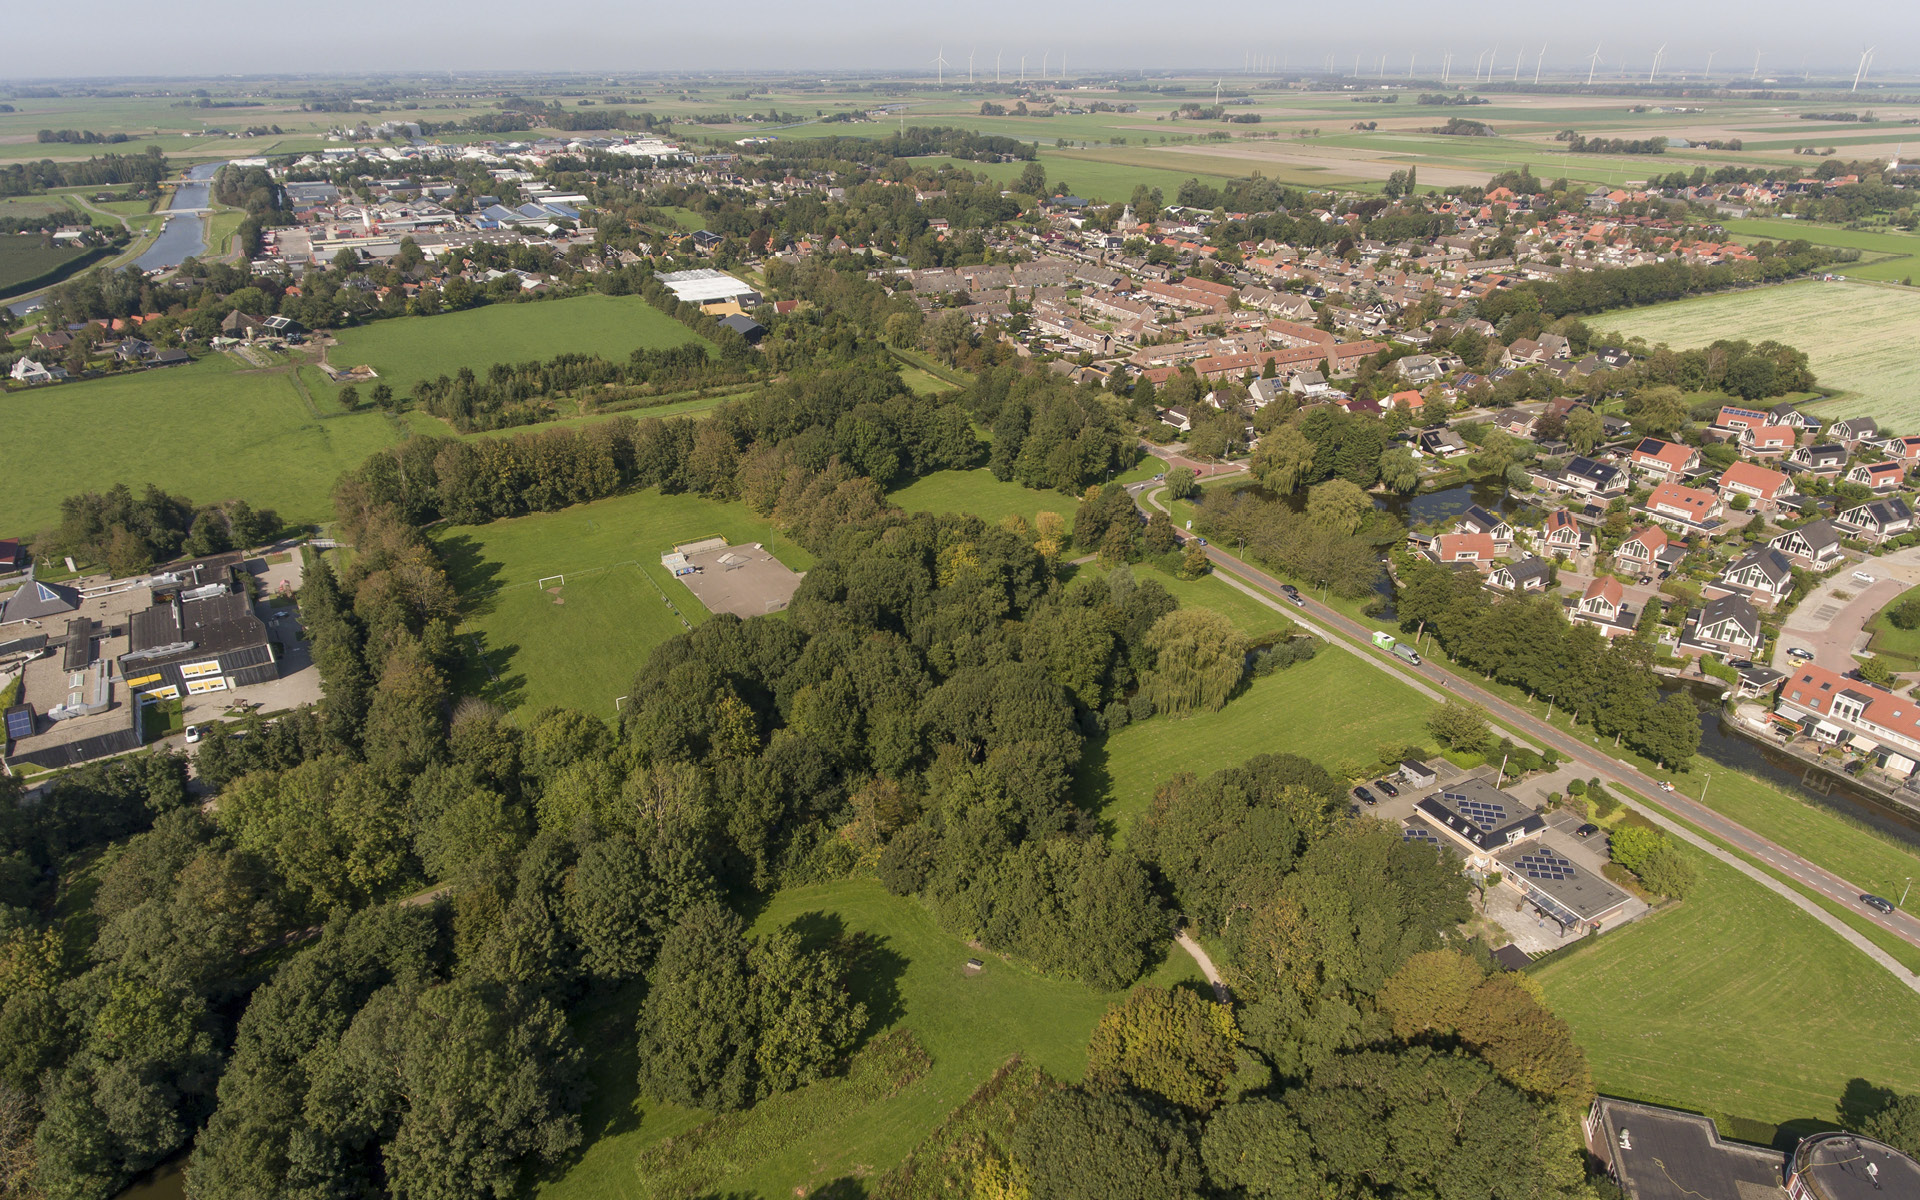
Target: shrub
x: 1906, y: 614
x: 1577, y: 788
x: 1604, y: 805
x: 1115, y: 716
x: 1667, y: 872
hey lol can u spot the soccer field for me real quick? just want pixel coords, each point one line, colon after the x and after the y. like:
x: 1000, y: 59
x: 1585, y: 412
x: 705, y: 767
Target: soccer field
x: 1859, y: 337
x: 527, y: 647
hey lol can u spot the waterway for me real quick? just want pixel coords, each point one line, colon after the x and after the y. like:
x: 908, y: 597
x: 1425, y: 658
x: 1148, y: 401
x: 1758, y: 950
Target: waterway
x: 185, y: 233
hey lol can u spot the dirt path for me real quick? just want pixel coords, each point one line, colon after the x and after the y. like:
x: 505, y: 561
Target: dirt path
x: 1199, y: 955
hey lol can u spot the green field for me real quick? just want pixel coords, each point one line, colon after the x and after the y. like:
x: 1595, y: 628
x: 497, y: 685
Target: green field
x: 1889, y: 253
x: 210, y: 431
x: 979, y: 494
x: 1859, y: 337
x: 925, y: 383
x: 408, y: 349
x: 525, y: 651
x: 1893, y: 642
x: 969, y: 1025
x: 24, y: 256
x: 1737, y: 1004
x: 1332, y: 709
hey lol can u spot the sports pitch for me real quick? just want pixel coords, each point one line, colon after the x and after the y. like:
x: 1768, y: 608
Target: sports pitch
x: 562, y: 608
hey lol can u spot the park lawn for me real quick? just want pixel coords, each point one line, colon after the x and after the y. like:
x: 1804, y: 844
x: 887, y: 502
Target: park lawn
x: 524, y: 651
x: 24, y: 257
x: 212, y: 430
x: 913, y: 980
x: 407, y: 349
x: 924, y: 383
x: 1255, y: 620
x: 977, y: 493
x: 1893, y: 642
x: 1858, y: 337
x: 1335, y: 709
x: 1737, y: 1004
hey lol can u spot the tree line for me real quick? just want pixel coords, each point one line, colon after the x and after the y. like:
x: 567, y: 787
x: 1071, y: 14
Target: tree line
x: 511, y: 394
x: 22, y: 179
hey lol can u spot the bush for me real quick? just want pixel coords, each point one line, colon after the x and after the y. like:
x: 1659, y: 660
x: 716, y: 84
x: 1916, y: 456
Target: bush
x: 1906, y: 614
x: 1141, y: 706
x: 1667, y: 872
x: 1577, y: 788
x: 1115, y: 716
x: 1604, y: 805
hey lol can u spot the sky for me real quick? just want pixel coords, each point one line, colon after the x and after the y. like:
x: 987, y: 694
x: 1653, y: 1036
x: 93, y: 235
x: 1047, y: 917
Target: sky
x: 199, y: 37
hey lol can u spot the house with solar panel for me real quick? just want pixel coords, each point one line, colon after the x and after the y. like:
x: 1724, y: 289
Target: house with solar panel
x: 199, y: 634
x: 1497, y: 832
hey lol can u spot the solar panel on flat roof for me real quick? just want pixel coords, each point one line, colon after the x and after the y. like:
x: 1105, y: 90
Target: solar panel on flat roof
x: 20, y: 721
x: 1419, y: 835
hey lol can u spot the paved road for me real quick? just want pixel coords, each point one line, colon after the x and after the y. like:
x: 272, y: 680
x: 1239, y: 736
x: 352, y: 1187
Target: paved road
x: 1832, y: 620
x: 1661, y: 807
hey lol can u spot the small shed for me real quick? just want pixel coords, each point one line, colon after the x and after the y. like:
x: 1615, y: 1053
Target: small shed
x: 1418, y: 774
x: 975, y: 966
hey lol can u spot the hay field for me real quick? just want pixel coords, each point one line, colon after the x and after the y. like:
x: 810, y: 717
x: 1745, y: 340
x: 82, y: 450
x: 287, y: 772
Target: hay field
x: 1859, y: 336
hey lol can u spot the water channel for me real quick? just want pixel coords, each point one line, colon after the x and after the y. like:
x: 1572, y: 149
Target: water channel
x: 185, y: 233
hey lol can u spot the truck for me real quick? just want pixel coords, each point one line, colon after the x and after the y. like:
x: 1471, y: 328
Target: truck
x: 1398, y: 649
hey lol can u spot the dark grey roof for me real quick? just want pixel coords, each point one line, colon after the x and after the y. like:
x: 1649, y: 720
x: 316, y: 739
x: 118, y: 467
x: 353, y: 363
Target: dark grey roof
x: 1879, y: 513
x: 745, y: 326
x: 1769, y: 560
x: 1737, y: 608
x: 1843, y: 1166
x: 1599, y: 473
x: 1480, y: 813
x: 1479, y: 520
x: 1673, y: 1155
x: 1818, y: 534
x: 1530, y: 567
x: 215, y: 625
x: 1571, y: 887
x: 36, y: 600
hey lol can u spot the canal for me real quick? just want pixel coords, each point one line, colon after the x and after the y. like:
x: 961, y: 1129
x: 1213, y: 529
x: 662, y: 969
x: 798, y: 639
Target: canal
x: 185, y: 233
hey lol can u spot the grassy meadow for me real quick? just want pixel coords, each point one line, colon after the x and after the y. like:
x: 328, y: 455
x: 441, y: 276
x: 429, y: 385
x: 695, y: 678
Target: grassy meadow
x: 212, y: 430
x: 1736, y: 1004
x: 979, y: 494
x: 912, y: 978
x: 1858, y: 336
x: 407, y: 349
x: 1886, y: 254
x: 525, y: 651
x: 25, y: 256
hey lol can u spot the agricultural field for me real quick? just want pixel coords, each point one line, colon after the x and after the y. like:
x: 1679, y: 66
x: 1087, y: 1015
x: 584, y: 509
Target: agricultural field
x: 1886, y: 254
x: 527, y: 647
x: 26, y: 256
x: 407, y: 349
x: 1736, y: 1004
x: 212, y: 430
x: 1859, y: 337
x: 912, y: 980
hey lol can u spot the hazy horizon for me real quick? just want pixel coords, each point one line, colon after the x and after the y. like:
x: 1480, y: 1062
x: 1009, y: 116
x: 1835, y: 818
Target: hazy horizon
x: 359, y: 37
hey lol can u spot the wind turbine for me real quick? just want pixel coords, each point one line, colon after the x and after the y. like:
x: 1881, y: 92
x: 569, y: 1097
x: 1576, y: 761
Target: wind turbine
x: 1537, y: 61
x: 969, y: 68
x: 1592, y: 63
x: 996, y: 68
x: 1657, y: 55
x: 940, y: 67
x: 1709, y: 74
x: 1756, y: 67
x: 1411, y: 55
x: 1044, y: 56
x: 1866, y: 57
x: 1491, y: 56
x: 1476, y: 65
x: 1517, y: 56
x: 1023, y: 69
x: 1446, y: 67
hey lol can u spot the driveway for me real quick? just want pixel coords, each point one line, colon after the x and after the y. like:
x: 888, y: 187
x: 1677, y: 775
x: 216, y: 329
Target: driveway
x: 1832, y: 620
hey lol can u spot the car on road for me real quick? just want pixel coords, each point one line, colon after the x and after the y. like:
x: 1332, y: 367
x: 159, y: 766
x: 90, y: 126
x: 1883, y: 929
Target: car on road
x: 1365, y: 796
x: 1741, y: 664
x: 1586, y: 831
x: 1877, y: 903
x: 1386, y: 787
x: 1800, y: 652
x: 1645, y: 579
x: 1293, y: 593
x: 193, y: 734
x: 1201, y: 542
x: 1665, y: 786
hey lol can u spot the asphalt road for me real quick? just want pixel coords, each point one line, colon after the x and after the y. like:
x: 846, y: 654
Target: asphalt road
x: 1661, y: 807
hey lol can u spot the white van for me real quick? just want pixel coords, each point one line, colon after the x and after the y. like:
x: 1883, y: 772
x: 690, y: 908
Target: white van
x: 1862, y: 577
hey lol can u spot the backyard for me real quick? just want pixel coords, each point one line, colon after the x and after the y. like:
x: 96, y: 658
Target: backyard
x: 528, y: 647
x: 1859, y: 337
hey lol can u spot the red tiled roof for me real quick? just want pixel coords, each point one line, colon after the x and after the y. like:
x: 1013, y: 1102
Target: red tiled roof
x: 1766, y: 482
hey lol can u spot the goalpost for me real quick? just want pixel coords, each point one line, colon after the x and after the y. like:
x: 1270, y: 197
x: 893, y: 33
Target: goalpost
x: 541, y: 583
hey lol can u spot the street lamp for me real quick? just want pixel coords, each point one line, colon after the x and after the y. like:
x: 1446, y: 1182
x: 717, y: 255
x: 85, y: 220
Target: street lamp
x: 1904, y: 891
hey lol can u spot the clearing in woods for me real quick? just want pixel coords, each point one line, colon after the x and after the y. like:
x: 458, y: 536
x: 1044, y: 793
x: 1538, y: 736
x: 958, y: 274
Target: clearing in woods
x: 524, y: 650
x: 1858, y: 336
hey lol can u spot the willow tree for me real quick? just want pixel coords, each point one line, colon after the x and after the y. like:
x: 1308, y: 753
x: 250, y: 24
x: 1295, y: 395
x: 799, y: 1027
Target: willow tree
x: 1198, y: 660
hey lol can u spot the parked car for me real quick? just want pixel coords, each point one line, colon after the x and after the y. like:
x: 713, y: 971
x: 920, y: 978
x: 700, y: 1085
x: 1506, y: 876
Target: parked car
x: 1386, y: 787
x: 1741, y: 664
x: 1586, y: 831
x: 1855, y: 767
x: 1862, y: 577
x: 1800, y: 652
x: 1877, y: 903
x: 1365, y: 796
x: 193, y: 734
x: 1645, y: 579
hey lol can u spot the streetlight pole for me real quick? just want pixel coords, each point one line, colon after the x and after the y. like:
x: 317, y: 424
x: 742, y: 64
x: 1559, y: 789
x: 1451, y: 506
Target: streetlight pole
x: 1904, y: 891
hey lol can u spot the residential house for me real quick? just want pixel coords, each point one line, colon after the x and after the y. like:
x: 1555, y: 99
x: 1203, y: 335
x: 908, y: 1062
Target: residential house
x: 1839, y: 710
x: 1881, y: 476
x: 1904, y: 450
x: 1479, y: 520
x: 1590, y: 477
x: 1853, y: 431
x: 1442, y: 443
x: 1769, y: 441
x: 1815, y: 545
x: 1603, y: 606
x: 1648, y: 551
x: 1762, y: 574
x: 1664, y: 460
x: 1787, y: 414
x: 1178, y: 418
x: 1516, y: 422
x: 1530, y: 574
x: 1310, y: 385
x: 1473, y: 549
x: 53, y: 341
x: 1826, y: 460
x: 1729, y: 626
x: 13, y: 556
x: 1877, y: 520
x: 1564, y: 535
x: 1745, y: 479
x: 1409, y: 399
x: 1554, y: 346
x: 1738, y: 420
x: 1418, y: 369
x: 240, y: 325
x: 27, y: 371
x: 133, y: 350
x: 1522, y: 352
x: 1684, y: 509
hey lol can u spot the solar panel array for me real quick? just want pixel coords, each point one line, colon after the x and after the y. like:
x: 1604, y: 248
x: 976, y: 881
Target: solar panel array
x: 20, y: 723
x: 1483, y: 813
x: 1419, y: 835
x: 1543, y: 864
